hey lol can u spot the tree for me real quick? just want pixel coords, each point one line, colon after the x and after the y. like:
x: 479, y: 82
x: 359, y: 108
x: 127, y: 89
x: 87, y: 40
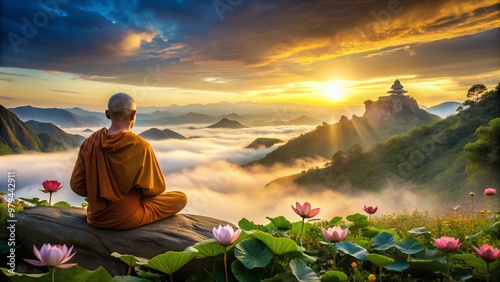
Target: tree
x: 484, y: 154
x: 476, y: 92
x: 355, y: 152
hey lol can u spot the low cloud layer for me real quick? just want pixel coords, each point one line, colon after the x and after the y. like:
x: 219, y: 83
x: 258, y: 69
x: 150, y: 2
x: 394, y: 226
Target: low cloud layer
x: 208, y: 170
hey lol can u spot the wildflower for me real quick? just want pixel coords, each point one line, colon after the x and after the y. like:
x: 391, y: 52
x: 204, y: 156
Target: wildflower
x: 490, y: 191
x: 487, y: 253
x: 51, y: 186
x: 372, y: 278
x: 354, y: 265
x: 370, y: 209
x: 335, y: 234
x: 52, y: 256
x: 305, y: 210
x: 447, y: 244
x: 226, y: 235
x: 472, y: 194
x: 456, y: 208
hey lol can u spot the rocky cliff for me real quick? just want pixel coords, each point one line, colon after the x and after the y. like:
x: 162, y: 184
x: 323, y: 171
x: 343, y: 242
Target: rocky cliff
x: 396, y: 108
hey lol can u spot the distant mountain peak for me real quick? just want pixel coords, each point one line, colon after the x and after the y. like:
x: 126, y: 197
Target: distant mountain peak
x: 227, y: 123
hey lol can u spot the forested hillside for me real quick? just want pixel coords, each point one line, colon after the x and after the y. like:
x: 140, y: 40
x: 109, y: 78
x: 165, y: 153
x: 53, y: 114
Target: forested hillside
x: 430, y: 157
x: 382, y: 119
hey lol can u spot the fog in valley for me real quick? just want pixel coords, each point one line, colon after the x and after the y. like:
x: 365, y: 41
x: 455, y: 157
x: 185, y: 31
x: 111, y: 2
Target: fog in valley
x: 207, y: 168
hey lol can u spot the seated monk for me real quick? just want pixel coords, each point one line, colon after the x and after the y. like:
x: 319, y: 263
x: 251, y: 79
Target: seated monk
x: 118, y: 173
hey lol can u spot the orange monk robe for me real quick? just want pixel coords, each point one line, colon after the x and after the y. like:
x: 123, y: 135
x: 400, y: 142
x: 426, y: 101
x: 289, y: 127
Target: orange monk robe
x: 123, y: 183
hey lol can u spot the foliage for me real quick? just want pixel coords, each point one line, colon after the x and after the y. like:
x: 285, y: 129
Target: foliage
x: 396, y: 249
x: 484, y: 154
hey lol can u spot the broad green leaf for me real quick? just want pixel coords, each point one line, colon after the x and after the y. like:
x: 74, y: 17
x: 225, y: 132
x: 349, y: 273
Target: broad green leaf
x: 303, y: 257
x: 248, y: 225
x: 352, y: 249
x: 334, y: 220
x: 61, y: 204
x: 35, y: 201
x: 253, y: 253
x: 130, y: 260
x: 356, y: 217
x: 244, y: 274
x: 409, y: 246
x: 130, y: 279
x: 278, y: 246
x: 281, y: 223
x: 209, y: 248
x: 379, y: 260
x: 471, y: 260
x: 428, y: 255
x: 171, y: 261
x: 383, y: 241
x: 302, y: 272
x: 399, y: 264
x: 75, y: 273
x: 333, y: 276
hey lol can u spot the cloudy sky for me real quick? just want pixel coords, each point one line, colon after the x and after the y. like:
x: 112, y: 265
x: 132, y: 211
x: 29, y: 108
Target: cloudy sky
x: 66, y: 53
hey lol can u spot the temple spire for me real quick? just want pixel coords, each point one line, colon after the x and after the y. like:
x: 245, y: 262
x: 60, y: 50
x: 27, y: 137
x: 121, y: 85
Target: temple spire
x: 397, y: 88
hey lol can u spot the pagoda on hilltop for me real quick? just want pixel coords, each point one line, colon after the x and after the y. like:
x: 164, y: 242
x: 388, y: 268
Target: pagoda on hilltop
x: 397, y: 89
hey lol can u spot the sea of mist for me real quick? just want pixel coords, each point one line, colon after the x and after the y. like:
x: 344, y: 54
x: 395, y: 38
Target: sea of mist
x: 207, y: 168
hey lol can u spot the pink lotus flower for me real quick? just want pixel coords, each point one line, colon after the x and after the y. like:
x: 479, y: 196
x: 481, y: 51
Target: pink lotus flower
x: 305, y: 210
x: 52, y: 256
x: 370, y: 209
x: 335, y: 234
x: 226, y: 235
x: 490, y: 191
x: 51, y: 186
x: 487, y: 253
x: 447, y: 244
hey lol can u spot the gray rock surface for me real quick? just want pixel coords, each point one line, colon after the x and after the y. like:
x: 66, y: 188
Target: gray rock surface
x: 93, y: 246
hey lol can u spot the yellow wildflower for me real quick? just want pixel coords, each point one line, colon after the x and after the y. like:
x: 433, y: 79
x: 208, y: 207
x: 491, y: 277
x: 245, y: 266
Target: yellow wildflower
x: 372, y: 278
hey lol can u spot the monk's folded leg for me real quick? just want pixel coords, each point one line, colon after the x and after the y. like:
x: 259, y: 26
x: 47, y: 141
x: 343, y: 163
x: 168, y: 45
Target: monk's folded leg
x: 162, y: 206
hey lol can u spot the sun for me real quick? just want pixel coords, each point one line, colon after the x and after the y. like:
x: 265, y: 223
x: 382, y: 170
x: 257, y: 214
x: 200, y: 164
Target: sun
x: 334, y: 92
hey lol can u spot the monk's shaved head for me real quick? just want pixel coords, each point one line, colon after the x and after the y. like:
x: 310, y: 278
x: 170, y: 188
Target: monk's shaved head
x: 120, y: 106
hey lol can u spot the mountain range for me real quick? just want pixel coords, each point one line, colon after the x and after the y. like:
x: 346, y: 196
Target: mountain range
x: 19, y: 137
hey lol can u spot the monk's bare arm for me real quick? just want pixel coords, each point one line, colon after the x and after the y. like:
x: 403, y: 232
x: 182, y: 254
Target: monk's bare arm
x: 78, y: 181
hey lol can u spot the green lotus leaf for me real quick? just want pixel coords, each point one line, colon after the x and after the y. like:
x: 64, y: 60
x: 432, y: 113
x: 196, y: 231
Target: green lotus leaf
x: 383, y: 241
x: 244, y: 274
x: 253, y: 253
x: 209, y: 248
x: 334, y: 276
x: 352, y: 249
x: 302, y: 272
x: 171, y: 261
x: 409, y: 246
x: 278, y: 246
x: 379, y: 260
x: 281, y: 223
x: 248, y: 225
